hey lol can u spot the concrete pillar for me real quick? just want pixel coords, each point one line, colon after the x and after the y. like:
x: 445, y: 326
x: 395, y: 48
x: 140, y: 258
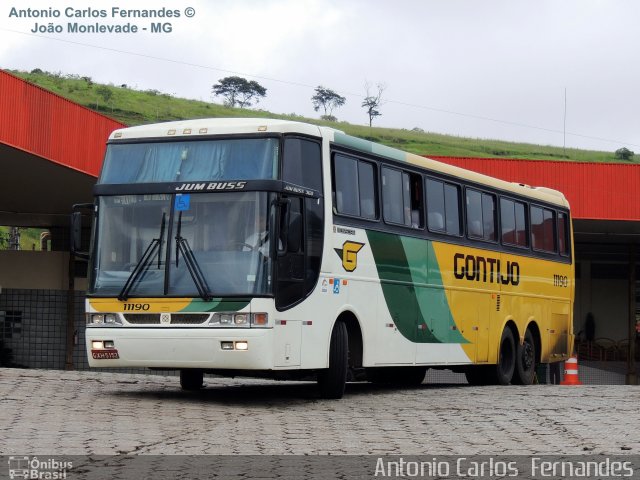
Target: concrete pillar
x: 632, y: 377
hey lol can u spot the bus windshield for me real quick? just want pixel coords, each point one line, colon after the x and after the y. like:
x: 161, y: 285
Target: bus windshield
x: 204, y: 244
x: 196, y: 160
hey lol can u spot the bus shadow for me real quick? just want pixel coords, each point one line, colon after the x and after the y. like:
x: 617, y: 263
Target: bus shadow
x: 270, y: 394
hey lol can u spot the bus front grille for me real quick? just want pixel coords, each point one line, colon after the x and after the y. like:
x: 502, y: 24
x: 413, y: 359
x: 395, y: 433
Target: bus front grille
x: 176, y: 318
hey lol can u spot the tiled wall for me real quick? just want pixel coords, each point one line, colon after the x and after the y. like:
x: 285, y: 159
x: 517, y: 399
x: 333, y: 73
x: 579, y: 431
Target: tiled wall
x: 34, y: 327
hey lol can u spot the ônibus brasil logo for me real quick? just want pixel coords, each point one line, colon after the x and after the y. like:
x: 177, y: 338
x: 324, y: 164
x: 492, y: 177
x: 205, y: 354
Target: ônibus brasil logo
x: 34, y: 468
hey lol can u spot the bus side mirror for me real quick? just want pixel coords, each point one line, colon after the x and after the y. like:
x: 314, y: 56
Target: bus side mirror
x: 76, y: 230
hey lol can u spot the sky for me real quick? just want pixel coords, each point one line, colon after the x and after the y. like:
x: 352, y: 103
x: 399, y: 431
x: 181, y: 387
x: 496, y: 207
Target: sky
x: 499, y: 69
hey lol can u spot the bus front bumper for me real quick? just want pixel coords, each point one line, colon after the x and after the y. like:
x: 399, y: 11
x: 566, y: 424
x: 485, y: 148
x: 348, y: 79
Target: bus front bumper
x: 241, y: 349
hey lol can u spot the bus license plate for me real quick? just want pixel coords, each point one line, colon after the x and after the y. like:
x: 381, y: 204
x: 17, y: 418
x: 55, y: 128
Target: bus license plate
x: 105, y: 354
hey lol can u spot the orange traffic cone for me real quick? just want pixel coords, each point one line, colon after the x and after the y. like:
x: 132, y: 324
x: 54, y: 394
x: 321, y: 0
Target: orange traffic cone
x: 571, y: 372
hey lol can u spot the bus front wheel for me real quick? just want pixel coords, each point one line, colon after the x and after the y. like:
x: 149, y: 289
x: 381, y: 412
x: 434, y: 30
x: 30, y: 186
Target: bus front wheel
x: 332, y: 380
x: 191, y: 379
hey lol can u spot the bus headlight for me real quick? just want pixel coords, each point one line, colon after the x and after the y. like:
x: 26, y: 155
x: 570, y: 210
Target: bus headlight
x: 241, y: 320
x: 103, y: 319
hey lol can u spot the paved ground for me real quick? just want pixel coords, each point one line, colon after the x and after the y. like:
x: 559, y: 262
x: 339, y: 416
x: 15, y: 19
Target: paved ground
x: 56, y: 412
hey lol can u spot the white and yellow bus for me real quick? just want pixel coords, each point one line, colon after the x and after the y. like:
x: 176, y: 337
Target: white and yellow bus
x: 282, y: 249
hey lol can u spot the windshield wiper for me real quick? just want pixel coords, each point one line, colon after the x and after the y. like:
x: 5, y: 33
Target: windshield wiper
x: 144, y: 262
x: 182, y: 246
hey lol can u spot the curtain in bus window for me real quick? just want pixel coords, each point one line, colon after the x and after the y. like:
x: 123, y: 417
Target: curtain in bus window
x: 508, y: 221
x: 489, y: 216
x: 549, y: 238
x: 452, y: 208
x: 513, y: 222
x: 347, y: 195
x: 522, y: 238
x: 146, y: 163
x: 239, y: 159
x: 542, y: 230
x: 435, y: 205
x: 366, y: 182
x: 474, y: 214
x: 392, y: 196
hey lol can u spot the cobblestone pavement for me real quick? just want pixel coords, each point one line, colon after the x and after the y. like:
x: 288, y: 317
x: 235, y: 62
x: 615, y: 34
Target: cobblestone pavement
x: 77, y: 413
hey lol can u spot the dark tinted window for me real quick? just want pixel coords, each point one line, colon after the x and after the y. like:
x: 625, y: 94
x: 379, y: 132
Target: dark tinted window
x: 542, y: 229
x: 347, y: 192
x: 452, y: 209
x: 301, y: 163
x: 513, y: 222
x: 393, y: 195
x: 355, y: 187
x: 367, y: 187
x: 402, y: 198
x: 443, y: 207
x: 563, y: 234
x: 481, y: 215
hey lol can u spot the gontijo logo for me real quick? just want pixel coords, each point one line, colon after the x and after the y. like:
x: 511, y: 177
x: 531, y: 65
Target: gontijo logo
x: 349, y: 254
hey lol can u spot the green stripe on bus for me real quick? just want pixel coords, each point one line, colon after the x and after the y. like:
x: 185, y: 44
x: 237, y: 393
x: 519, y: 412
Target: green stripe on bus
x: 413, y: 289
x: 367, y: 146
x: 216, y: 305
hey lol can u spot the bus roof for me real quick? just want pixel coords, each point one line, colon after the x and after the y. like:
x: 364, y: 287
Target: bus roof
x: 215, y: 126
x: 228, y: 126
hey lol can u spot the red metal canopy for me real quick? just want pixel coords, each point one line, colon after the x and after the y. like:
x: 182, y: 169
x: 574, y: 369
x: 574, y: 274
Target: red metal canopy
x: 37, y: 121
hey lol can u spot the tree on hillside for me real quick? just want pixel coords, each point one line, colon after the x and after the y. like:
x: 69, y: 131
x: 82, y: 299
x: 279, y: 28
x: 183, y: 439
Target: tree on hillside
x: 238, y: 91
x: 373, y: 100
x: 328, y: 100
x: 624, y: 154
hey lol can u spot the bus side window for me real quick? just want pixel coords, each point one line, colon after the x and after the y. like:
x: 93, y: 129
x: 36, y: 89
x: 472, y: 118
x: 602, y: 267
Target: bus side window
x: 563, y: 234
x: 402, y: 198
x: 513, y: 223
x: 481, y: 215
x: 543, y: 229
x: 443, y: 207
x: 355, y: 192
x: 346, y: 185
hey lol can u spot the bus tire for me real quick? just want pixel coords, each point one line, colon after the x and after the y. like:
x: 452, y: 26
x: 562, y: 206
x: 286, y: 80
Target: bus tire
x: 332, y: 380
x: 191, y: 379
x: 525, y: 361
x: 506, y: 358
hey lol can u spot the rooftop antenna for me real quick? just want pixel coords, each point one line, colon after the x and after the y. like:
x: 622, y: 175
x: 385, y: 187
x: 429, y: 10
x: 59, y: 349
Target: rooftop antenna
x: 564, y: 130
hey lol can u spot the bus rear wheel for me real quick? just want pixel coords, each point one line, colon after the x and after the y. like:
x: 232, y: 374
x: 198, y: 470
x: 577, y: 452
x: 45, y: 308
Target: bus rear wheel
x: 507, y: 358
x: 525, y: 361
x: 191, y: 379
x: 503, y: 372
x: 332, y: 381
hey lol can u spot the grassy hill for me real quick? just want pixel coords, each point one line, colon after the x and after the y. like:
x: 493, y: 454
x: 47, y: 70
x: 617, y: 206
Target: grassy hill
x: 134, y: 107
